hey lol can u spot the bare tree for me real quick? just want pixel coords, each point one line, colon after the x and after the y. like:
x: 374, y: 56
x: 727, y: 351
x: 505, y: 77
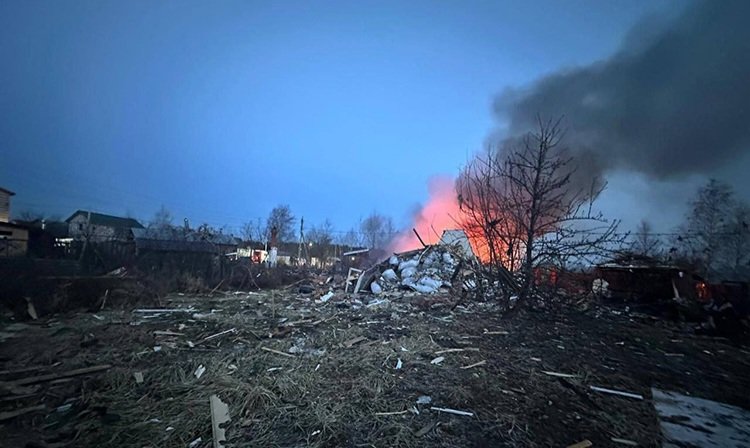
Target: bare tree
x: 525, y: 203
x: 253, y: 231
x: 162, y: 219
x: 351, y: 238
x: 29, y: 215
x: 282, y: 219
x: 321, y: 234
x: 377, y: 231
x: 736, y: 260
x: 482, y: 200
x: 715, y: 236
x: 645, y: 242
x: 321, y: 240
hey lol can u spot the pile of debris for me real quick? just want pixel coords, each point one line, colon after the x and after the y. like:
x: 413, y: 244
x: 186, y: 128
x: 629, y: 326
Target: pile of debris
x: 449, y: 266
x: 425, y: 271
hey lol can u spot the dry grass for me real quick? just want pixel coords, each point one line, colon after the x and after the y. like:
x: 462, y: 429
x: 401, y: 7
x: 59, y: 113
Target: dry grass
x: 332, y: 391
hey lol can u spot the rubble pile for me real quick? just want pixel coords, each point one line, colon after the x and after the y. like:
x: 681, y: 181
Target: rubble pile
x: 425, y: 271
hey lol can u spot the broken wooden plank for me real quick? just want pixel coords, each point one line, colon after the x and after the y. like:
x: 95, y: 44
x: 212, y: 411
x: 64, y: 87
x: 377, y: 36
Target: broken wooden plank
x: 453, y: 411
x: 559, y: 375
x: 476, y: 364
x: 457, y: 350
x: 55, y: 376
x: 164, y: 310
x: 167, y: 333
x: 616, y: 392
x: 221, y: 333
x: 353, y: 341
x: 219, y: 416
x: 582, y: 444
x: 288, y: 355
x: 298, y: 322
x: 391, y: 413
x: 425, y: 429
x: 28, y: 369
x: 18, y: 412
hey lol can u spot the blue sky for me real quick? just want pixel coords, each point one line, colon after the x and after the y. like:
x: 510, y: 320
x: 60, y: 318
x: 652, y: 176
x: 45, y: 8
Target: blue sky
x: 221, y: 110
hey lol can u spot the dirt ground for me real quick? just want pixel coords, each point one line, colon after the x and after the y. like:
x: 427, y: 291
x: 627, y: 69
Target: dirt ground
x: 296, y: 372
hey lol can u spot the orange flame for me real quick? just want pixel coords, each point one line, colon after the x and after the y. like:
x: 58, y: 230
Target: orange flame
x: 440, y: 213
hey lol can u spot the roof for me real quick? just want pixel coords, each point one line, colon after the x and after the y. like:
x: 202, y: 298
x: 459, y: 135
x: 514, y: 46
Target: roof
x: 13, y: 225
x: 174, y: 239
x: 5, y: 190
x: 100, y: 219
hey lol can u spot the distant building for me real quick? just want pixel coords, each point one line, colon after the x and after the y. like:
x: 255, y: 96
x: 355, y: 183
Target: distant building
x: 170, y: 239
x: 14, y: 238
x: 5, y: 204
x: 85, y: 225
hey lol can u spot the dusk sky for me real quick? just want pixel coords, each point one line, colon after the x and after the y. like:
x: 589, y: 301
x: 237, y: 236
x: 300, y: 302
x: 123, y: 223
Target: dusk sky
x: 222, y: 110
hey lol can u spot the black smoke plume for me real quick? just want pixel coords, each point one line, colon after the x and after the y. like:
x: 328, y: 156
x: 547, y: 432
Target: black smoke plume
x: 673, y: 101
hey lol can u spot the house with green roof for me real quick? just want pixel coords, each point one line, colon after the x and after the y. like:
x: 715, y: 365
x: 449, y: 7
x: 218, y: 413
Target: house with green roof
x: 91, y: 226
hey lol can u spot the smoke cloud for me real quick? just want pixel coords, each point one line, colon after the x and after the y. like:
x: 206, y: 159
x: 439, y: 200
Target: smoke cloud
x: 673, y: 101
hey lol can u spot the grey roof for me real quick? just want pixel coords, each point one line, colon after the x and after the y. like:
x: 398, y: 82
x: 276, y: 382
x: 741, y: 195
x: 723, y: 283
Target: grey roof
x: 100, y: 219
x: 171, y: 239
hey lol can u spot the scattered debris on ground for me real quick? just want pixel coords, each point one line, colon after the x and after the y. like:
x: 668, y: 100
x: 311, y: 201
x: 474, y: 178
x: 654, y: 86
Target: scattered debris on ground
x: 399, y: 368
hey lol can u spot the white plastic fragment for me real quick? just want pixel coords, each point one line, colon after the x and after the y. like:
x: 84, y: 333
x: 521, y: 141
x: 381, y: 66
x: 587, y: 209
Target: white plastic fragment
x: 195, y: 443
x: 199, y: 371
x: 376, y: 303
x: 389, y: 275
x: 424, y: 399
x: 157, y: 348
x: 616, y: 392
x: 326, y: 297
x: 399, y: 364
x: 413, y: 263
x: 438, y: 360
x: 453, y: 411
x: 219, y: 416
x: 165, y: 310
x: 558, y: 374
x: 430, y: 282
x: 408, y: 273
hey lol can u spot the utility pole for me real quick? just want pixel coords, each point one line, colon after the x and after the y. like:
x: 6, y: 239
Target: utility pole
x: 301, y: 240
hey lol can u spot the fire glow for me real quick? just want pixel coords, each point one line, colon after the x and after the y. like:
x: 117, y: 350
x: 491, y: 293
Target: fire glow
x: 440, y: 213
